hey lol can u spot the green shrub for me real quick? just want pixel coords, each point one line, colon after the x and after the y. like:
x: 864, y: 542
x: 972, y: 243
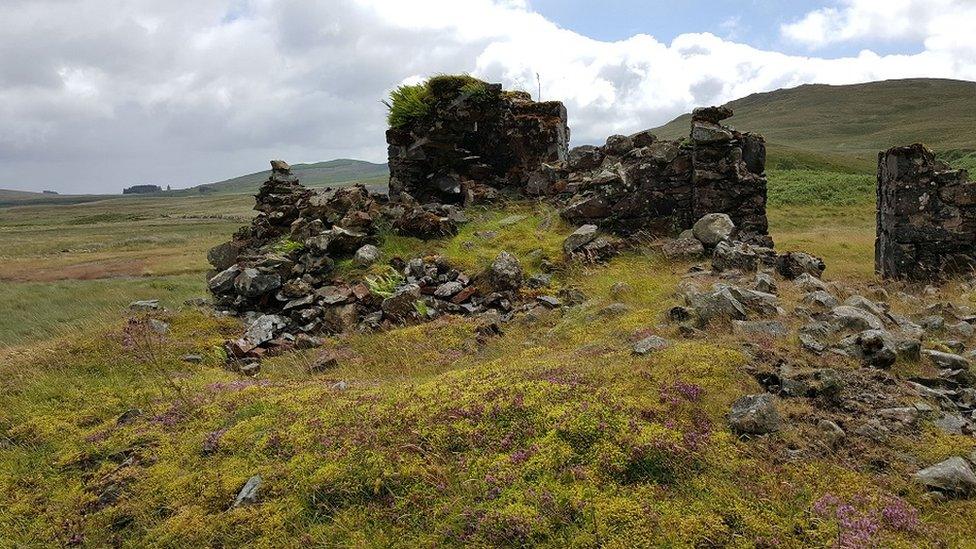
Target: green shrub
x: 384, y: 285
x: 450, y: 85
x: 407, y: 103
x: 410, y: 102
x: 812, y: 188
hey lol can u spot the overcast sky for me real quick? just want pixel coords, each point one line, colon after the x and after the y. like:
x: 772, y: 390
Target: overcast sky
x: 100, y: 94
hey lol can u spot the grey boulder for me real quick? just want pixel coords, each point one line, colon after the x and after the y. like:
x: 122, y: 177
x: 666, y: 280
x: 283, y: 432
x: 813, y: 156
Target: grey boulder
x: 713, y: 228
x: 952, y: 477
x: 755, y: 415
x: 579, y: 238
x: 505, y: 273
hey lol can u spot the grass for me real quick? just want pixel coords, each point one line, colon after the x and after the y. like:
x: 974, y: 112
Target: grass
x: 38, y: 311
x: 818, y: 189
x: 65, y: 267
x: 411, y: 102
x: 551, y: 434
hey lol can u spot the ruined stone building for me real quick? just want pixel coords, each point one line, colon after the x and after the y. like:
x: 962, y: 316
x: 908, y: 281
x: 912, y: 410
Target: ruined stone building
x: 926, y: 220
x: 471, y: 144
x: 469, y: 147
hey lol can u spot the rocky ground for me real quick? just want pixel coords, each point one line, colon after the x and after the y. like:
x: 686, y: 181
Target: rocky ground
x: 866, y: 364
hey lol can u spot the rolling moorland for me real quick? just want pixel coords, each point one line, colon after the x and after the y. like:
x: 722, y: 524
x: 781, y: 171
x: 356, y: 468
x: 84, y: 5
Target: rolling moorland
x: 320, y: 174
x: 435, y: 439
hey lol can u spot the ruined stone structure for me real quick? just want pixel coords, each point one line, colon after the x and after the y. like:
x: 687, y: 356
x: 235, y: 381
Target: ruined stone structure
x: 639, y: 183
x: 926, y: 216
x: 469, y: 146
x: 278, y: 273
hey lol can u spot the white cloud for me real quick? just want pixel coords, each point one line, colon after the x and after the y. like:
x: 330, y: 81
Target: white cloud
x: 942, y: 25
x: 97, y: 94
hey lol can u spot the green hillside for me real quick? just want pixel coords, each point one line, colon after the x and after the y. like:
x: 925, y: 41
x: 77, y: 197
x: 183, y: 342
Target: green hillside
x: 319, y: 174
x: 845, y: 126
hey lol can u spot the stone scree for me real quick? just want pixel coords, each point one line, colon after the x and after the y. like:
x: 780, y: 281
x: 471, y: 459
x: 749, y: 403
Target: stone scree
x: 470, y: 146
x: 640, y: 183
x: 926, y: 226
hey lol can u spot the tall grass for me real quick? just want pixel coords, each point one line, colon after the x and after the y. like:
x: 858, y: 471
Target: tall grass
x: 818, y: 188
x: 410, y: 102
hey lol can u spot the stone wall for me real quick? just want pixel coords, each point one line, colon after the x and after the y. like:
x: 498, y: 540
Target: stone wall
x: 926, y: 225
x: 640, y: 183
x: 469, y: 146
x: 729, y: 173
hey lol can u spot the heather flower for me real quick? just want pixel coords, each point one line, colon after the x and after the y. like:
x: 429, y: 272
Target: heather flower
x: 825, y: 506
x: 899, y: 515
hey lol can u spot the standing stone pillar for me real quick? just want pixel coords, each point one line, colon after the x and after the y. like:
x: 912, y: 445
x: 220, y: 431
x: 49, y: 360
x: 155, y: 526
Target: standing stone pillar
x: 926, y: 217
x: 729, y: 174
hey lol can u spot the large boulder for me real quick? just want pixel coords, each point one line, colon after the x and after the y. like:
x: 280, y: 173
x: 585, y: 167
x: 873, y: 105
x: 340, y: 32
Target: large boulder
x: 946, y: 360
x: 618, y: 145
x: 794, y: 264
x: 713, y: 228
x: 223, y: 256
x: 584, y: 158
x: 366, y: 255
x: 755, y: 415
x: 579, y: 238
x: 264, y: 328
x: 875, y: 348
x: 711, y: 114
x: 254, y: 283
x: 846, y: 317
x: 720, y: 304
x: 740, y: 256
x: 223, y: 282
x: 401, y: 306
x: 952, y: 477
x: 505, y: 273
x: 683, y: 248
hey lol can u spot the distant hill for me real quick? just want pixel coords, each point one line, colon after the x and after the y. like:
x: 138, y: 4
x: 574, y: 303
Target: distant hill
x: 844, y: 127
x: 320, y: 174
x: 7, y: 194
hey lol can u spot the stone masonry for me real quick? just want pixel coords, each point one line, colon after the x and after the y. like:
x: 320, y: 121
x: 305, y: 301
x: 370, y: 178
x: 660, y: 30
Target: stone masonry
x: 470, y: 146
x: 640, y: 183
x: 926, y: 227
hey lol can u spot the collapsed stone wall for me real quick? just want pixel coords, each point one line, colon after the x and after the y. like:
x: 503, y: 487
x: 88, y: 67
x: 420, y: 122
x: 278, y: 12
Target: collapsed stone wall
x: 470, y: 145
x: 279, y: 272
x: 640, y: 183
x: 926, y: 216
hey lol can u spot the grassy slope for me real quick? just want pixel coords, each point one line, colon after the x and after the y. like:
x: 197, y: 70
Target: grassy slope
x: 553, y: 433
x: 850, y: 124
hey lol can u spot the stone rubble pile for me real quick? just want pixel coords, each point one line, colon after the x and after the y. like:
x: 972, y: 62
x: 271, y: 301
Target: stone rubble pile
x: 278, y: 272
x: 829, y: 320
